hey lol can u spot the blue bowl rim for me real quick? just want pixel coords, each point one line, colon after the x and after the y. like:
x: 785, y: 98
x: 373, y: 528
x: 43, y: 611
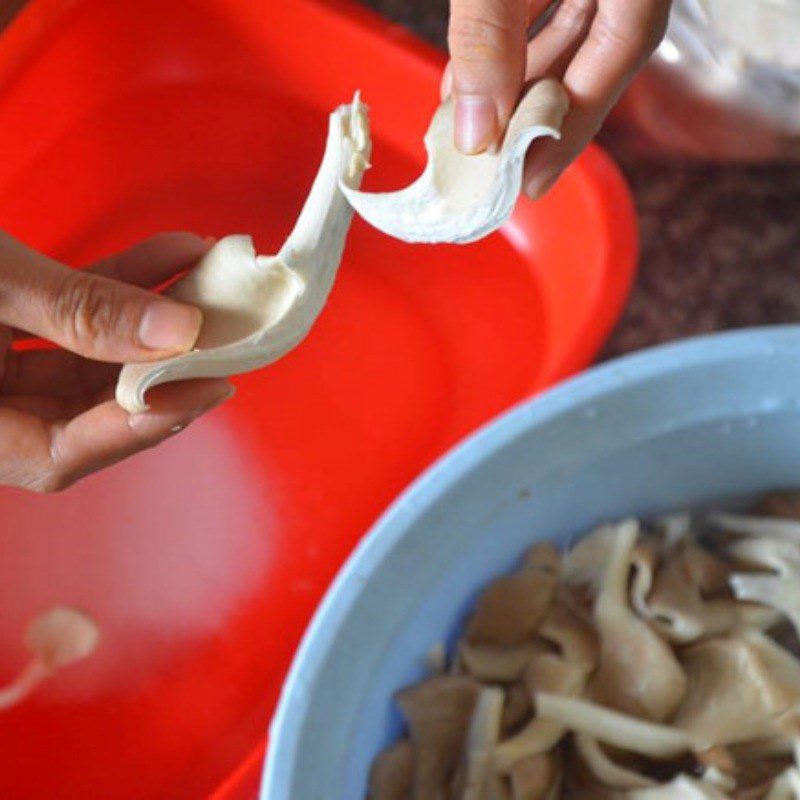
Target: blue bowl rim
x: 449, y: 468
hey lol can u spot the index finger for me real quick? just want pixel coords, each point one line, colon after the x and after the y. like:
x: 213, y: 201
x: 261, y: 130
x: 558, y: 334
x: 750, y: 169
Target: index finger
x: 487, y: 41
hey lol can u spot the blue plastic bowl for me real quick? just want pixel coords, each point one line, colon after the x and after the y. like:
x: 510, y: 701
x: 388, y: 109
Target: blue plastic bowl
x: 683, y: 425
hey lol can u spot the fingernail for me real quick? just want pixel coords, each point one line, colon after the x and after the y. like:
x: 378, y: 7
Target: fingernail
x: 169, y: 326
x: 476, y: 123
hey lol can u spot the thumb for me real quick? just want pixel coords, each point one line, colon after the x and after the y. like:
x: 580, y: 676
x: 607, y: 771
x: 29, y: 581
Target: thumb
x: 487, y: 41
x: 91, y: 315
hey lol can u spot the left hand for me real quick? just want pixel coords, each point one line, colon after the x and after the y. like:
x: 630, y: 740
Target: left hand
x: 58, y: 417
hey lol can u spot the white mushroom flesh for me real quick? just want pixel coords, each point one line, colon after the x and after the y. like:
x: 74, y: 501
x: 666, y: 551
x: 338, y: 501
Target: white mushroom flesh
x: 461, y: 198
x: 256, y: 308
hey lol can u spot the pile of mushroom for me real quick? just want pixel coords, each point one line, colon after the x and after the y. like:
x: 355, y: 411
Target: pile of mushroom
x: 648, y: 662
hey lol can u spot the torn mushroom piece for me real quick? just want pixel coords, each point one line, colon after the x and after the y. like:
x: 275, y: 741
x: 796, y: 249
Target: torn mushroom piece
x: 257, y: 308
x: 461, y: 198
x: 767, y: 527
x: 494, y: 663
x: 671, y: 594
x: 778, y: 589
x: 638, y: 672
x: 474, y: 781
x: 437, y: 713
x: 604, y: 768
x: 536, y: 777
x: 651, y: 739
x: 547, y: 672
x: 510, y: 610
x: 392, y: 774
x: 55, y: 639
x: 738, y: 688
x: 681, y: 788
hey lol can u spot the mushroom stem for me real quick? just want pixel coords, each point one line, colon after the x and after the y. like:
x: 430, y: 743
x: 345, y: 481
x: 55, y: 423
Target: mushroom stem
x: 612, y: 727
x: 24, y: 684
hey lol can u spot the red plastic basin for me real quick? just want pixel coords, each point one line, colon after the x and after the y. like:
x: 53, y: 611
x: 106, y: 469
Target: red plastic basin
x: 204, y: 559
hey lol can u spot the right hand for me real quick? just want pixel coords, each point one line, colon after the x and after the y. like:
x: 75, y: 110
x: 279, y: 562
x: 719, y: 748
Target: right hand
x: 594, y: 46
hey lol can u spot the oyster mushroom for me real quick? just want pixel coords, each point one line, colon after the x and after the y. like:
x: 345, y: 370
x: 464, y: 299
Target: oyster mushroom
x: 496, y: 664
x: 55, y: 639
x: 546, y: 672
x: 482, y: 738
x: 652, y: 739
x: 738, y: 687
x: 637, y: 673
x: 258, y: 308
x: 392, y: 774
x: 512, y: 607
x: 437, y: 712
x: 461, y: 198
x: 681, y: 788
x: 536, y: 778
x: 518, y: 707
x: 672, y: 596
x: 585, y: 562
x: 784, y: 504
x: 766, y: 527
x: 779, y: 590
x: 786, y: 786
x: 604, y: 769
x: 544, y: 556
x: 575, y: 639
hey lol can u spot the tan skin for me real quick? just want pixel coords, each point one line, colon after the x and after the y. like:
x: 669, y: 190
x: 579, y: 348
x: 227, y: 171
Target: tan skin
x: 594, y: 46
x: 58, y: 419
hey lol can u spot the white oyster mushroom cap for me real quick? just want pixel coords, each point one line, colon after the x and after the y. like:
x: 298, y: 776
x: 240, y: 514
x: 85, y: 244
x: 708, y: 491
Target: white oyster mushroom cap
x: 460, y: 198
x: 258, y: 308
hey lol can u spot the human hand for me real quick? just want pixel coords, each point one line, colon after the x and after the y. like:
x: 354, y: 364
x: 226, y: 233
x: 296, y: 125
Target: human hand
x: 594, y: 46
x: 58, y: 417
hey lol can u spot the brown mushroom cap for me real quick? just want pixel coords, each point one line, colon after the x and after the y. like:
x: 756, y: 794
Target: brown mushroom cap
x: 437, y: 712
x: 536, y: 777
x: 494, y: 663
x: 512, y: 607
x: 392, y: 774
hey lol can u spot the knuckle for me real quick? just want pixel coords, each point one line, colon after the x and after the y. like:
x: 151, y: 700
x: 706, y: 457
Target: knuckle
x: 573, y: 16
x: 475, y: 38
x: 638, y: 40
x: 48, y: 481
x: 86, y: 308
